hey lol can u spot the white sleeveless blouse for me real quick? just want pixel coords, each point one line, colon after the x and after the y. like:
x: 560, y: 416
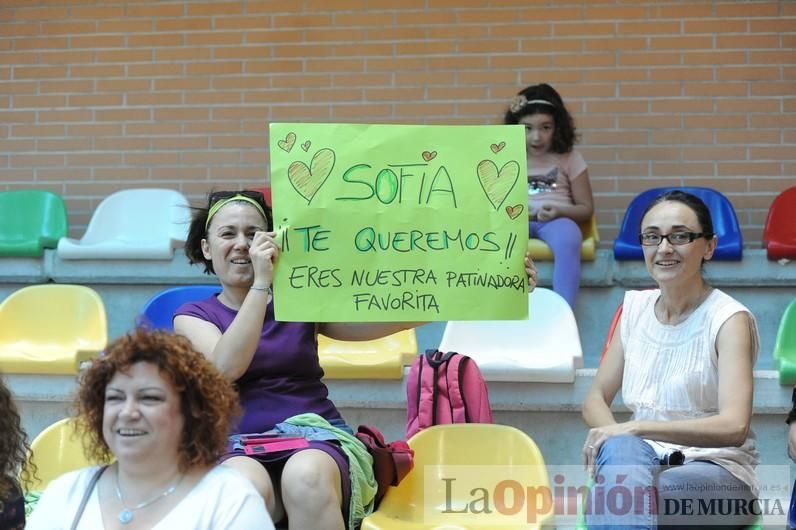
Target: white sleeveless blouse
x: 671, y: 371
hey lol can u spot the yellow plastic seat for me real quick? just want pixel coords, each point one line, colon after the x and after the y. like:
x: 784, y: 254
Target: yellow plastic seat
x: 51, y: 329
x: 539, y: 249
x: 382, y: 358
x: 55, y: 451
x: 454, y: 461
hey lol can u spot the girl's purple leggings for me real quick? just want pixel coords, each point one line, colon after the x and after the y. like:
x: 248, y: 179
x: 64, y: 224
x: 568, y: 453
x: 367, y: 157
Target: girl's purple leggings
x: 564, y: 238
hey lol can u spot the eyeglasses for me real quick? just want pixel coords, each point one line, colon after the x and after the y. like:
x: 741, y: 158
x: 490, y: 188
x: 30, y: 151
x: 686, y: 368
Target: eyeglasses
x: 653, y: 239
x: 221, y: 195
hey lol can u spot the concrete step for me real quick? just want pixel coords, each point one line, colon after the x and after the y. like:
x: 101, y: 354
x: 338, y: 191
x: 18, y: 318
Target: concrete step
x: 765, y: 287
x: 548, y: 412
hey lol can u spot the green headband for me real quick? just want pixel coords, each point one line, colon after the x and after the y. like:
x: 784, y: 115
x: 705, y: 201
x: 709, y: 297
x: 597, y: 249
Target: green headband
x: 220, y: 204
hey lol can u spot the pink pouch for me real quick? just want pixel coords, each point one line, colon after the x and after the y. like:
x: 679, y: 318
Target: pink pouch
x: 268, y: 444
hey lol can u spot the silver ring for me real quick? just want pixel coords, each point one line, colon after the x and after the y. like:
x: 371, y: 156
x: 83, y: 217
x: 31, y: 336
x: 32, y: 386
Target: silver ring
x: 591, y: 447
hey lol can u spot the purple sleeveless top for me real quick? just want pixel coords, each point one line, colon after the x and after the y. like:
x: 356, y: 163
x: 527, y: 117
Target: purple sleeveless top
x: 284, y: 377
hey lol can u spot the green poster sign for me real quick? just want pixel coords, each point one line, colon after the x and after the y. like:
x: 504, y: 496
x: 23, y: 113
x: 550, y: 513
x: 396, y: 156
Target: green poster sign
x: 399, y: 222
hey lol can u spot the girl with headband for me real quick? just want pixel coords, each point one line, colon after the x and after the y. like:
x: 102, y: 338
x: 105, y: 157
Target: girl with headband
x: 559, y: 191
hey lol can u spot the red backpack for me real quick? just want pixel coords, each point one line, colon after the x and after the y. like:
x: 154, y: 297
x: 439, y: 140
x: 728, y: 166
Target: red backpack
x: 445, y: 388
x: 391, y: 461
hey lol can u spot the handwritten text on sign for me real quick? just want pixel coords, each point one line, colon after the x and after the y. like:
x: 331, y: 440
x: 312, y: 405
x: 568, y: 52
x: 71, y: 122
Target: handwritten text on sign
x: 399, y: 222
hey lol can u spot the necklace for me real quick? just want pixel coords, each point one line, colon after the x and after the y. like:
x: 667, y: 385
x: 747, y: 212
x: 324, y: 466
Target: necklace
x: 126, y: 515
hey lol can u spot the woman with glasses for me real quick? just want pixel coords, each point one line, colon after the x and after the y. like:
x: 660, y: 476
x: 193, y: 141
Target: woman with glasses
x: 682, y: 355
x: 276, y: 369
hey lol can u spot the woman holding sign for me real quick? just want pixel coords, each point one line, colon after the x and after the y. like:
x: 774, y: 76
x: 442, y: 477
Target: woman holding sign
x: 275, y: 366
x: 559, y: 191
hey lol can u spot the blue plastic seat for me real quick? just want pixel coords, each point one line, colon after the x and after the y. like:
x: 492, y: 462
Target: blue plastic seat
x: 159, y: 310
x: 725, y: 224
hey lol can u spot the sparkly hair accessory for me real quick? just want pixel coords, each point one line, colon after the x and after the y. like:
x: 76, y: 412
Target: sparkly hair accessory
x: 520, y: 101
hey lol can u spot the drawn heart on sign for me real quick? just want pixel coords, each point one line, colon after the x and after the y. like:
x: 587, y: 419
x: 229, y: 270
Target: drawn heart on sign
x: 308, y: 180
x: 428, y: 156
x: 514, y: 211
x: 498, y: 183
x: 496, y: 148
x: 287, y: 144
x: 306, y: 146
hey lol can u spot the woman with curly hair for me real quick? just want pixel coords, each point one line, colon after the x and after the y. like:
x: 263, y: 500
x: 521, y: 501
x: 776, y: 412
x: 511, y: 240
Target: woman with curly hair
x: 13, y: 448
x: 162, y: 412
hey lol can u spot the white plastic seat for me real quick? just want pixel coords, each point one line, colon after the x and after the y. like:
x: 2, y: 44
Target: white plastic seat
x: 544, y: 348
x: 133, y: 224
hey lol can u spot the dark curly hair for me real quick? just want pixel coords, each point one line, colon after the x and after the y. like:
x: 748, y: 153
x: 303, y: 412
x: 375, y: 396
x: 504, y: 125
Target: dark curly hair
x: 197, y: 231
x: 208, y: 402
x: 14, y: 446
x: 564, y: 136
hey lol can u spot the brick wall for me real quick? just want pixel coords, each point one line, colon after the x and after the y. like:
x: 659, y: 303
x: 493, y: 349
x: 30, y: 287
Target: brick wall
x: 97, y: 96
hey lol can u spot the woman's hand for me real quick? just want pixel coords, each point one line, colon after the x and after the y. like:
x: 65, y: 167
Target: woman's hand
x: 530, y: 270
x: 263, y: 253
x: 597, y: 437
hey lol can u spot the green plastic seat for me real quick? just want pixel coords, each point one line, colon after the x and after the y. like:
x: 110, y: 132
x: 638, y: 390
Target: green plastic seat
x: 31, y: 221
x: 785, y: 346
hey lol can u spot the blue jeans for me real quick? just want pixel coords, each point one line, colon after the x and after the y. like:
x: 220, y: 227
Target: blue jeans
x: 634, y: 491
